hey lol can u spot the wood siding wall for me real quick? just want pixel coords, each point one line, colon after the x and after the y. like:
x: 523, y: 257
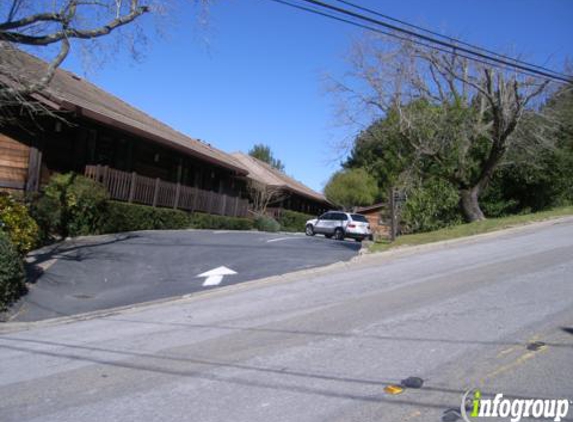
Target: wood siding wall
x: 14, y: 160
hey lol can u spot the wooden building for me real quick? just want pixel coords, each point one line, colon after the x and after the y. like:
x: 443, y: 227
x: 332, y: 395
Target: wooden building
x: 86, y: 129
x: 378, y: 216
x: 296, y: 196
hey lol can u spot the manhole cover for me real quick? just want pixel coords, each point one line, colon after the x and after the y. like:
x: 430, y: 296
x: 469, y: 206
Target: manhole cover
x: 413, y: 382
x: 535, y: 346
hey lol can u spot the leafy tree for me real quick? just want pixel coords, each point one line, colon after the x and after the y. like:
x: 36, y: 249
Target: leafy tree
x: 534, y: 182
x: 352, y: 187
x: 263, y: 152
x: 458, y: 117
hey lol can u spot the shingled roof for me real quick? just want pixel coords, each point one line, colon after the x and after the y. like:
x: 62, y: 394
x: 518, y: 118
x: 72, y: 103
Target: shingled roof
x: 268, y: 175
x: 69, y: 92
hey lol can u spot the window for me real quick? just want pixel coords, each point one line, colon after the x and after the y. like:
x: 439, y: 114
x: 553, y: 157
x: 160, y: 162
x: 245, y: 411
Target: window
x: 339, y: 216
x: 360, y: 218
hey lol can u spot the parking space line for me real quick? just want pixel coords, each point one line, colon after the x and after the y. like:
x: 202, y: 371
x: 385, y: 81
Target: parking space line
x: 278, y: 239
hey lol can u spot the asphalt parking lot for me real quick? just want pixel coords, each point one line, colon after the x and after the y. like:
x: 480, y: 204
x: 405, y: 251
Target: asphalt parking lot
x: 101, y: 272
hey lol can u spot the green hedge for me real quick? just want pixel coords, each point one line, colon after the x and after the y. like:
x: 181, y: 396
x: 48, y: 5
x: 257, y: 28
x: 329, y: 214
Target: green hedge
x: 12, y: 283
x: 267, y: 224
x: 124, y: 217
x: 80, y: 204
x: 217, y: 222
x: 292, y: 221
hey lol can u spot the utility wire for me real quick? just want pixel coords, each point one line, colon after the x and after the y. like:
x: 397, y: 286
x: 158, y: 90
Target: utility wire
x: 449, y: 47
x: 434, y: 40
x: 451, y: 39
x: 403, y: 38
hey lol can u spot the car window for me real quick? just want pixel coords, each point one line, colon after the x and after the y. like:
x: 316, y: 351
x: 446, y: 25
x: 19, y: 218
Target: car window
x: 339, y: 216
x: 360, y: 218
x: 325, y: 216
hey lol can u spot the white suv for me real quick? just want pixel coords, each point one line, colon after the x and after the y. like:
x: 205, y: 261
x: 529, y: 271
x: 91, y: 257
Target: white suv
x: 339, y: 225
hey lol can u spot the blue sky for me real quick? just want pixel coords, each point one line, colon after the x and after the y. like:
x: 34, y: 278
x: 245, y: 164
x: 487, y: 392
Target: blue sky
x: 259, y: 78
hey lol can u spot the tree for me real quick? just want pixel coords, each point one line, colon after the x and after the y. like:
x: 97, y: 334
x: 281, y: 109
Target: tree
x: 350, y: 188
x: 263, y: 195
x: 457, y: 116
x: 263, y: 152
x: 51, y: 27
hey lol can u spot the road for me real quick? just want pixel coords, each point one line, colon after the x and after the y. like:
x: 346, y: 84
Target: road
x: 318, y: 347
x: 101, y: 272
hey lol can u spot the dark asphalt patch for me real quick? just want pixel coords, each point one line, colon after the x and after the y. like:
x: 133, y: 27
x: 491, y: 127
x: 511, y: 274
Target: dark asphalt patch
x: 103, y: 272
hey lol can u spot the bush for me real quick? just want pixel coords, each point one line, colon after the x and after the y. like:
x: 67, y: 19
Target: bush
x: 18, y: 224
x: 432, y: 205
x: 46, y: 212
x: 80, y: 203
x: 267, y: 224
x: 124, y: 217
x: 12, y: 283
x: 292, y: 221
x: 217, y: 222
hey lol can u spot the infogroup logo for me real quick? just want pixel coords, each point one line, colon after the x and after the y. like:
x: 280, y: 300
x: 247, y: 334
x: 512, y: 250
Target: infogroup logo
x: 512, y: 409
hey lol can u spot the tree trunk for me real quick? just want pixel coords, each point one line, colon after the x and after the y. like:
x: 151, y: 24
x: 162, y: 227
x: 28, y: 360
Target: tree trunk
x: 469, y: 202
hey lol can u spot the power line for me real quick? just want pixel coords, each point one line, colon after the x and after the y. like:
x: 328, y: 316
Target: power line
x: 452, y: 39
x: 403, y: 38
x: 449, y: 47
x: 436, y: 41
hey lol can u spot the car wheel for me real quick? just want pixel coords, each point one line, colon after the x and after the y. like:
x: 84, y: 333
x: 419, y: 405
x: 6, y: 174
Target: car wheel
x: 339, y: 234
x: 309, y: 231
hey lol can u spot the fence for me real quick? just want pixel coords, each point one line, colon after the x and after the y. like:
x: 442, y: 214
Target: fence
x: 132, y: 187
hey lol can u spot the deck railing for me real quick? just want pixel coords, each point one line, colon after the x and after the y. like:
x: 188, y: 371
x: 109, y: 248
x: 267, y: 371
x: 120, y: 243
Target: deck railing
x: 132, y: 187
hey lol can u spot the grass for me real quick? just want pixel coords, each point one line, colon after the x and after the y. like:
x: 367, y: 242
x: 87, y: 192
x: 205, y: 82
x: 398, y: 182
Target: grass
x: 471, y: 229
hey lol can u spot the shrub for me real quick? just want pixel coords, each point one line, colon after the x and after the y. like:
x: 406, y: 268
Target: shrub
x: 12, y: 284
x: 430, y: 206
x: 292, y: 221
x: 267, y: 224
x: 217, y: 222
x: 81, y: 203
x: 123, y: 217
x: 46, y: 212
x: 16, y: 221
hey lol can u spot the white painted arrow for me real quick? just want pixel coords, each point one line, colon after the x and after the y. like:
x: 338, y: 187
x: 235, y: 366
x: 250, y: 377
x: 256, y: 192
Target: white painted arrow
x: 215, y: 276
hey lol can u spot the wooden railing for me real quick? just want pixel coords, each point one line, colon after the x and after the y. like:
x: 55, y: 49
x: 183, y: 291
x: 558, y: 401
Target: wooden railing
x: 132, y: 187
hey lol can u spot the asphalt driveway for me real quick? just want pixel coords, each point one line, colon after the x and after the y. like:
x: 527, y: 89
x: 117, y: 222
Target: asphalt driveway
x: 102, y: 272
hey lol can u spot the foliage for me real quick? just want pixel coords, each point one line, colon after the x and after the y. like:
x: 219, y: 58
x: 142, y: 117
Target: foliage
x: 46, y: 212
x: 263, y: 152
x: 81, y: 202
x: 124, y: 217
x: 431, y: 205
x: 121, y: 217
x: 267, y: 224
x: 16, y: 221
x: 293, y: 221
x: 471, y: 229
x: 457, y: 119
x: 527, y: 180
x: 352, y: 187
x: 12, y: 283
x: 217, y: 222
